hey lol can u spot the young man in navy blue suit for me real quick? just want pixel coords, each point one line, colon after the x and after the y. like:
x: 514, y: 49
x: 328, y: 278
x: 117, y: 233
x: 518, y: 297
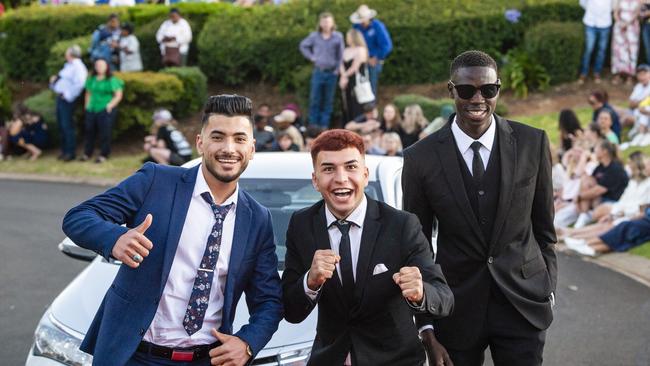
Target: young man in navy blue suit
x: 197, y: 242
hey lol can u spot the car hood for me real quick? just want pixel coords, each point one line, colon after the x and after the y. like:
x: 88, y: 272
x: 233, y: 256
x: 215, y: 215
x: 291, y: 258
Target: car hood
x: 77, y: 304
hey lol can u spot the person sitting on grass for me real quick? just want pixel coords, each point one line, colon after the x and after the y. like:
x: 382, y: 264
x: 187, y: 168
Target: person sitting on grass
x: 284, y: 142
x: 392, y: 144
x: 168, y: 146
x: 636, y: 195
x: 605, y: 123
x: 28, y: 133
x: 620, y: 238
x: 366, y: 122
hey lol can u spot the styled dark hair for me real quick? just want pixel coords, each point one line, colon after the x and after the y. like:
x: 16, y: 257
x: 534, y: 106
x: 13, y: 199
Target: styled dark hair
x: 174, y: 11
x: 228, y: 105
x: 127, y: 27
x: 569, y: 122
x: 336, y: 140
x: 109, y: 72
x: 600, y: 95
x: 472, y: 59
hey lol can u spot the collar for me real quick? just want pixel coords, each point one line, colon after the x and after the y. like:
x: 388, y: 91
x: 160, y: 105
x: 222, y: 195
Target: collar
x: 464, y: 141
x: 202, y: 186
x: 357, y: 216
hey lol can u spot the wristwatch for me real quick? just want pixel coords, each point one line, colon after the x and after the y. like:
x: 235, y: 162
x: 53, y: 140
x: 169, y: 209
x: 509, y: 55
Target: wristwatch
x: 249, y: 351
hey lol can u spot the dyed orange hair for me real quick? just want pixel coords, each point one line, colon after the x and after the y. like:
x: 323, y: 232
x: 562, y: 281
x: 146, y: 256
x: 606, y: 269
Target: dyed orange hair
x: 336, y: 140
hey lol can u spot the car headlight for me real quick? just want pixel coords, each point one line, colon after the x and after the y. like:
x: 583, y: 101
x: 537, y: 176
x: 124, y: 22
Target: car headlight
x: 297, y: 357
x: 52, y: 341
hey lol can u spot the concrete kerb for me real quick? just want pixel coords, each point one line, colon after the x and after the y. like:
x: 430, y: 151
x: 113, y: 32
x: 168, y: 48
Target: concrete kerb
x: 102, y: 182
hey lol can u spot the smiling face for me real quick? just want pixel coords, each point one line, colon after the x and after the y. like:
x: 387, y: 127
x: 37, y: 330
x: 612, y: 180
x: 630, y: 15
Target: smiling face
x: 341, y: 177
x: 226, y: 144
x: 475, y: 112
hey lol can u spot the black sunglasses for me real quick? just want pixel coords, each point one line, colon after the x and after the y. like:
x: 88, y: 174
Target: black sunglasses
x: 466, y: 91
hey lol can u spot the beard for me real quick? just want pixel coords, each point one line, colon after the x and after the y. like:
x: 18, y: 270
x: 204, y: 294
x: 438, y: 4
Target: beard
x: 229, y: 177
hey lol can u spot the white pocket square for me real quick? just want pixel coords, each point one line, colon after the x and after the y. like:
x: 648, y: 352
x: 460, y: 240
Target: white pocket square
x: 379, y: 269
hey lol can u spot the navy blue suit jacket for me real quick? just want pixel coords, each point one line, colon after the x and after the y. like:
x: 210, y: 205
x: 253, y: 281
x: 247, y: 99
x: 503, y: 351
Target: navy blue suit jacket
x: 131, y: 302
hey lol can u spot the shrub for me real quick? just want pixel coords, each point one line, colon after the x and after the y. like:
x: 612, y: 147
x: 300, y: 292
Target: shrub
x: 56, y: 59
x: 431, y: 107
x: 31, y: 31
x: 522, y: 73
x: 558, y: 47
x: 195, y: 89
x: 5, y: 98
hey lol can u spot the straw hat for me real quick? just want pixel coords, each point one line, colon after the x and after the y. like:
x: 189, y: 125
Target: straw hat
x: 286, y: 116
x: 362, y: 13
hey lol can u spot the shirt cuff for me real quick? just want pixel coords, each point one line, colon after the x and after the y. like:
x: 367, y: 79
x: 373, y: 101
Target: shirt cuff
x: 422, y: 307
x: 309, y: 292
x: 425, y: 327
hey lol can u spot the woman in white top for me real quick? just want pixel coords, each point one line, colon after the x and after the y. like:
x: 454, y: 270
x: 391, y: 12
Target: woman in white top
x: 636, y: 195
x: 130, y: 59
x: 175, y: 33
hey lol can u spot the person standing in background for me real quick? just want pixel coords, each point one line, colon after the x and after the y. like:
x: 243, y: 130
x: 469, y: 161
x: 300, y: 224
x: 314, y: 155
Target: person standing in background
x: 645, y: 27
x: 355, y: 60
x: 625, y: 40
x: 377, y: 39
x: 68, y: 85
x: 174, y: 37
x: 598, y: 23
x: 130, y: 59
x: 324, y: 48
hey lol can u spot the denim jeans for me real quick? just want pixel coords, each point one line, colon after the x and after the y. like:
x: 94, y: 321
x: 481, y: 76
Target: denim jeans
x: 595, y: 37
x: 645, y: 30
x: 321, y: 97
x: 374, y: 72
x: 100, y: 123
x: 64, y: 111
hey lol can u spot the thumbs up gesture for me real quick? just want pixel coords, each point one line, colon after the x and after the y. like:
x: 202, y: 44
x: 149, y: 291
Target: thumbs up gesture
x: 232, y: 352
x: 132, y: 247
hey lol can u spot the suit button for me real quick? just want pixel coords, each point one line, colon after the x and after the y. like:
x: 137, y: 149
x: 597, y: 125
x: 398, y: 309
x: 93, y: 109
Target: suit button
x: 142, y: 331
x: 490, y: 260
x: 480, y: 193
x: 483, y: 221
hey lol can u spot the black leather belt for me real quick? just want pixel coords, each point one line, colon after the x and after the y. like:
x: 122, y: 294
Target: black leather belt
x: 177, y: 354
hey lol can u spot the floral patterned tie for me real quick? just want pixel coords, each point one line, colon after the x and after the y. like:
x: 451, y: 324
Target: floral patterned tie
x: 200, y: 297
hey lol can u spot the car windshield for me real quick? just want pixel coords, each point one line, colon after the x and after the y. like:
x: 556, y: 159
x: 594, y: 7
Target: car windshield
x: 284, y: 196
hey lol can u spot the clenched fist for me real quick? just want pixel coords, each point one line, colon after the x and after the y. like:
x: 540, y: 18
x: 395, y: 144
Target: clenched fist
x: 133, y: 245
x: 322, y: 268
x: 409, y: 279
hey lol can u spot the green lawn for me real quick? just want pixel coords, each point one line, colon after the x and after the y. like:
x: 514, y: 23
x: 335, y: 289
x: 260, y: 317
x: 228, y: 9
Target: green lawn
x: 643, y: 250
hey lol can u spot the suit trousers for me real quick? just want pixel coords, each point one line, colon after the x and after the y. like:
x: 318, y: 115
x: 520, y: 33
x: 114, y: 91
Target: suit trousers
x: 513, y: 341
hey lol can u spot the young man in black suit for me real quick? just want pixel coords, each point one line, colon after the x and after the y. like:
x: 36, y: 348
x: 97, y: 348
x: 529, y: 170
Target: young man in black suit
x: 487, y: 182
x: 366, y: 265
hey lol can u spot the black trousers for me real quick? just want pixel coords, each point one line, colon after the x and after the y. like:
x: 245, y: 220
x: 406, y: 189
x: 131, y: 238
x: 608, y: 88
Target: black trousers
x: 513, y: 341
x: 100, y: 123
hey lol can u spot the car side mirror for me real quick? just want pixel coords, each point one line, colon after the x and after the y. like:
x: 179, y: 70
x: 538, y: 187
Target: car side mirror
x: 72, y: 250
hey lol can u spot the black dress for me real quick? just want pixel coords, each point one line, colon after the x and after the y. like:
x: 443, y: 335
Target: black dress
x: 351, y: 108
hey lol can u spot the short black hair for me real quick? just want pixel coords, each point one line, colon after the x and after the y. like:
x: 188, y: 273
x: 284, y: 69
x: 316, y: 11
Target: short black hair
x: 127, y: 27
x: 174, y: 10
x: 472, y: 58
x: 228, y: 105
x: 113, y: 16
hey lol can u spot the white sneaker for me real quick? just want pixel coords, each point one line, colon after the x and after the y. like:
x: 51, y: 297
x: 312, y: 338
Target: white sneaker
x: 580, y: 246
x: 582, y: 221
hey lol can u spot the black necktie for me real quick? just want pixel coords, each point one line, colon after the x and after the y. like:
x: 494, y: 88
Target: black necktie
x: 347, y: 274
x: 477, y: 163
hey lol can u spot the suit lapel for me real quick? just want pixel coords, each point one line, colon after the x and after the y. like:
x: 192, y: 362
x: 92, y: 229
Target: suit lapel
x: 243, y: 218
x: 322, y: 239
x: 508, y: 154
x: 180, y: 205
x: 453, y: 175
x: 371, y: 226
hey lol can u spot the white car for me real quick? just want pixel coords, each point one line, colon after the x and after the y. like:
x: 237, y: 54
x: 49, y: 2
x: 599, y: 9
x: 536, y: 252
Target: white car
x: 279, y: 181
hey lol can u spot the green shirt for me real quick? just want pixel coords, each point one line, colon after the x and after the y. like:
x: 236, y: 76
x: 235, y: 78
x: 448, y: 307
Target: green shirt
x: 101, y: 92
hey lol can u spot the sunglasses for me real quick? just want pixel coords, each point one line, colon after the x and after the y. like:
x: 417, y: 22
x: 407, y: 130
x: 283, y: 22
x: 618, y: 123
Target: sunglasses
x: 466, y: 91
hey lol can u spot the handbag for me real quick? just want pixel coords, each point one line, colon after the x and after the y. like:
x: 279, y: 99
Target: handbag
x: 172, y: 56
x: 363, y: 88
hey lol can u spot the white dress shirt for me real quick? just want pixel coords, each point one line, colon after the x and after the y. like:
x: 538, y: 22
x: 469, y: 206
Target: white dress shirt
x: 181, y: 30
x: 71, y: 81
x: 166, y: 329
x: 464, y: 142
x: 598, y: 13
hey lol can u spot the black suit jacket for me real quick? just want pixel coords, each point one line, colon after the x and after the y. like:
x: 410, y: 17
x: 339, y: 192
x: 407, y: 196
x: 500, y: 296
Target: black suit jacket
x: 519, y: 257
x: 379, y: 328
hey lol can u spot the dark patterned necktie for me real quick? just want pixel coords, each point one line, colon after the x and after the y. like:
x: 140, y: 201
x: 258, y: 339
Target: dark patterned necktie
x: 347, y: 274
x: 477, y: 163
x: 200, y: 297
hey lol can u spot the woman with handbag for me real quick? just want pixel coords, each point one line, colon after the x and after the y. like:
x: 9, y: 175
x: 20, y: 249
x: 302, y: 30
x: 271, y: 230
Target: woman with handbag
x: 355, y: 80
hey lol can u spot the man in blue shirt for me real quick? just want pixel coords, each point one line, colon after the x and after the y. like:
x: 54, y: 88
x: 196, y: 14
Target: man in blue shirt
x: 377, y: 38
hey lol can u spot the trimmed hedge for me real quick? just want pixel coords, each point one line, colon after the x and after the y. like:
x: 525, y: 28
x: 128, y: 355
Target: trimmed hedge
x: 195, y: 89
x: 5, y: 98
x: 558, y: 47
x: 56, y: 59
x: 431, y: 107
x: 262, y: 42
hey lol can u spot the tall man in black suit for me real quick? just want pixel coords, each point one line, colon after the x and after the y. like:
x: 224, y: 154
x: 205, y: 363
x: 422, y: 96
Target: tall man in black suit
x: 487, y: 182
x: 367, y: 266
